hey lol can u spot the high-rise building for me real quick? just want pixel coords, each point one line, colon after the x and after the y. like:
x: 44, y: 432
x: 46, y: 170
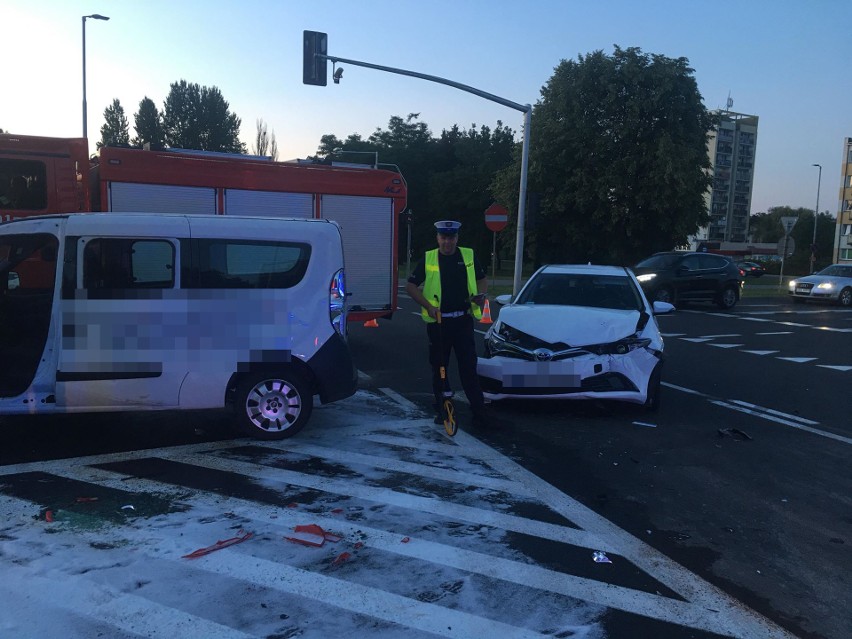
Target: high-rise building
x: 731, y: 148
x: 843, y: 242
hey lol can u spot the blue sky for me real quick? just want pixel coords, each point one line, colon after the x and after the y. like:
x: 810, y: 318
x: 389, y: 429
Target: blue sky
x: 782, y: 60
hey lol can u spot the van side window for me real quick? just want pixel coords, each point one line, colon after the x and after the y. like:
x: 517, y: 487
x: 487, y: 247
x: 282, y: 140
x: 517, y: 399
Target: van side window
x: 126, y: 263
x: 249, y: 264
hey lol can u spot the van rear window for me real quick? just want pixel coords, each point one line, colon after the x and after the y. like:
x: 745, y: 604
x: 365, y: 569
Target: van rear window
x: 248, y: 264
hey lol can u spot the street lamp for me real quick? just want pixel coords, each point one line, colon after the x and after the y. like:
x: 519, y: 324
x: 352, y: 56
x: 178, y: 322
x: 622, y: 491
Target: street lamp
x: 94, y: 16
x: 816, y: 215
x: 375, y: 154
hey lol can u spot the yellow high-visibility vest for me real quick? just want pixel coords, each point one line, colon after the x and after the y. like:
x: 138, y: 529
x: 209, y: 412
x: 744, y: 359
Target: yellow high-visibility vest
x: 432, y: 284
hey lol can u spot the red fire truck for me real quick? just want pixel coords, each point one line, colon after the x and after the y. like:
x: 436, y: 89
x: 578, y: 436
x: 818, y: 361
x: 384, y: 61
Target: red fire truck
x: 41, y: 175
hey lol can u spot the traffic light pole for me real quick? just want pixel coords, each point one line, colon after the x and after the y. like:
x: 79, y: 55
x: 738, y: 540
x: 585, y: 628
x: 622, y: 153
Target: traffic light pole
x: 525, y: 108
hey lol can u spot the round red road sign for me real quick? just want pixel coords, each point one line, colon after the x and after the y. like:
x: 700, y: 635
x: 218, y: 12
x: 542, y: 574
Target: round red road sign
x: 496, y: 217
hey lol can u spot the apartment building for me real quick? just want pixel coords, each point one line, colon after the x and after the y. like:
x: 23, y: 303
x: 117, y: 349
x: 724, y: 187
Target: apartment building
x: 843, y: 238
x: 731, y: 148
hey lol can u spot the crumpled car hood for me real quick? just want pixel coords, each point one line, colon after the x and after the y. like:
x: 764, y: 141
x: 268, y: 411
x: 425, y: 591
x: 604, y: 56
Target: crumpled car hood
x: 573, y: 325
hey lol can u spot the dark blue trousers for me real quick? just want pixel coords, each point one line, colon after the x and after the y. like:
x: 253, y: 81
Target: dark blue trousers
x: 455, y: 334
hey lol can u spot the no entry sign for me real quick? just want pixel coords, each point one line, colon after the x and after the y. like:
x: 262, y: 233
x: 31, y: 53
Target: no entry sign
x: 496, y: 217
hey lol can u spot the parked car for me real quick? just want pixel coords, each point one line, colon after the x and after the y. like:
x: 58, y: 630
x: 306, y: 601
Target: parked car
x: 678, y: 278
x: 751, y: 269
x: 832, y: 284
x: 576, y: 332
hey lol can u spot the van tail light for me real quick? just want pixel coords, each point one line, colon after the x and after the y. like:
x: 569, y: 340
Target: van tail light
x: 337, y: 302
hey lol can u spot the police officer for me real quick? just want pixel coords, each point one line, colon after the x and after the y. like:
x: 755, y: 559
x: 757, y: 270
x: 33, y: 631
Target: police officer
x: 453, y: 282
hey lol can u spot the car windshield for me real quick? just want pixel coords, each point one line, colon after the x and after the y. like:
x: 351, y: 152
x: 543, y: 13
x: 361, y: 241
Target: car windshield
x: 837, y: 270
x: 659, y: 261
x: 582, y: 289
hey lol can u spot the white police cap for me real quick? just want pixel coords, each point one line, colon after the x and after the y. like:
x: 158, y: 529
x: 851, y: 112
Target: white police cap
x: 447, y: 227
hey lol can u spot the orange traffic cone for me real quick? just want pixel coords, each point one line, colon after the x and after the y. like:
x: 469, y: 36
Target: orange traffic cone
x: 371, y: 323
x: 486, y: 314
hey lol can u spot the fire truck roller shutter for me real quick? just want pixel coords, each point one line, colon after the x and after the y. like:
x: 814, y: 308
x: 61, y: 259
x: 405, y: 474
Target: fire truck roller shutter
x: 161, y: 198
x: 366, y: 225
x: 269, y: 203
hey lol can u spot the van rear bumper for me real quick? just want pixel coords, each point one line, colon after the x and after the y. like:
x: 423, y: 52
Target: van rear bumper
x: 334, y: 370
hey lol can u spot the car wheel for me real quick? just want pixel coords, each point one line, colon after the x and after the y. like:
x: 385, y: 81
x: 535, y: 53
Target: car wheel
x: 845, y: 297
x: 652, y: 402
x: 728, y: 298
x: 664, y: 294
x: 273, y: 405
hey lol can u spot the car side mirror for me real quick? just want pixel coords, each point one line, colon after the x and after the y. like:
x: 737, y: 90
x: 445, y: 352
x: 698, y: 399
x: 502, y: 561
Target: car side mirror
x: 502, y: 300
x: 662, y: 308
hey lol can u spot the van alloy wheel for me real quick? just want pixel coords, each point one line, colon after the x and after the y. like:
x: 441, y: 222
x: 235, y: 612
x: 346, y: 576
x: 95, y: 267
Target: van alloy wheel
x: 273, y: 406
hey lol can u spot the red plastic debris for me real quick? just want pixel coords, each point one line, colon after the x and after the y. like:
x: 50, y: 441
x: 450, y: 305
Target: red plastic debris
x: 292, y: 504
x: 337, y: 511
x: 224, y: 543
x: 311, y: 535
x: 405, y: 540
x: 48, y: 515
x: 340, y: 558
x: 358, y: 545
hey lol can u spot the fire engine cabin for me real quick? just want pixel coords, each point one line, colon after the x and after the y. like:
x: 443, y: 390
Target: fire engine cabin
x: 42, y: 175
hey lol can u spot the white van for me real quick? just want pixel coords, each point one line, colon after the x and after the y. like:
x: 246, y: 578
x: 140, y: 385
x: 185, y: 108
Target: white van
x: 128, y: 312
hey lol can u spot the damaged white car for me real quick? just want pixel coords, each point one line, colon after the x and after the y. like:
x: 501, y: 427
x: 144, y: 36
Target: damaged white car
x: 576, y: 332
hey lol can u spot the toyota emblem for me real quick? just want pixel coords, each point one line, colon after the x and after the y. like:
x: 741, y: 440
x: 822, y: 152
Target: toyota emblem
x: 542, y: 355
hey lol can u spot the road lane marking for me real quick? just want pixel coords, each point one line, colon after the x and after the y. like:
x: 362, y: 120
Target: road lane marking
x: 727, y: 345
x: 772, y: 411
x: 843, y: 369
x: 797, y: 360
x: 399, y: 399
x: 765, y: 413
x: 760, y: 352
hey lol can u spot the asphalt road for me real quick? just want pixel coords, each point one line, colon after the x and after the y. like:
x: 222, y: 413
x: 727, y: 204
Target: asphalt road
x: 762, y: 512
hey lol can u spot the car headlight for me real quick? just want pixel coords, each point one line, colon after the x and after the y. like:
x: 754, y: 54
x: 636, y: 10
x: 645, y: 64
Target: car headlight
x: 825, y: 286
x: 647, y: 277
x: 621, y: 347
x: 507, y: 333
x: 791, y: 284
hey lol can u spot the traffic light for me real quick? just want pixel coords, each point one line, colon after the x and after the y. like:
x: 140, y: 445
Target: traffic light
x: 314, y: 63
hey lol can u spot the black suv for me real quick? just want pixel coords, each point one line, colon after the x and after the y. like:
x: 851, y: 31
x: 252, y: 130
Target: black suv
x: 686, y: 277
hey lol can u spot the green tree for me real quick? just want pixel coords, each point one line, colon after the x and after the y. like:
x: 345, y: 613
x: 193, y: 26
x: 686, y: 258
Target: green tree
x: 767, y: 228
x: 618, y: 158
x: 466, y: 163
x: 115, y: 130
x: 196, y: 117
x: 148, y: 125
x: 448, y: 177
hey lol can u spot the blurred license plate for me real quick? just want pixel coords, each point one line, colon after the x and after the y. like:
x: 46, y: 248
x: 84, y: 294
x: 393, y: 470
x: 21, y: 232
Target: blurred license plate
x: 801, y: 289
x: 540, y: 375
